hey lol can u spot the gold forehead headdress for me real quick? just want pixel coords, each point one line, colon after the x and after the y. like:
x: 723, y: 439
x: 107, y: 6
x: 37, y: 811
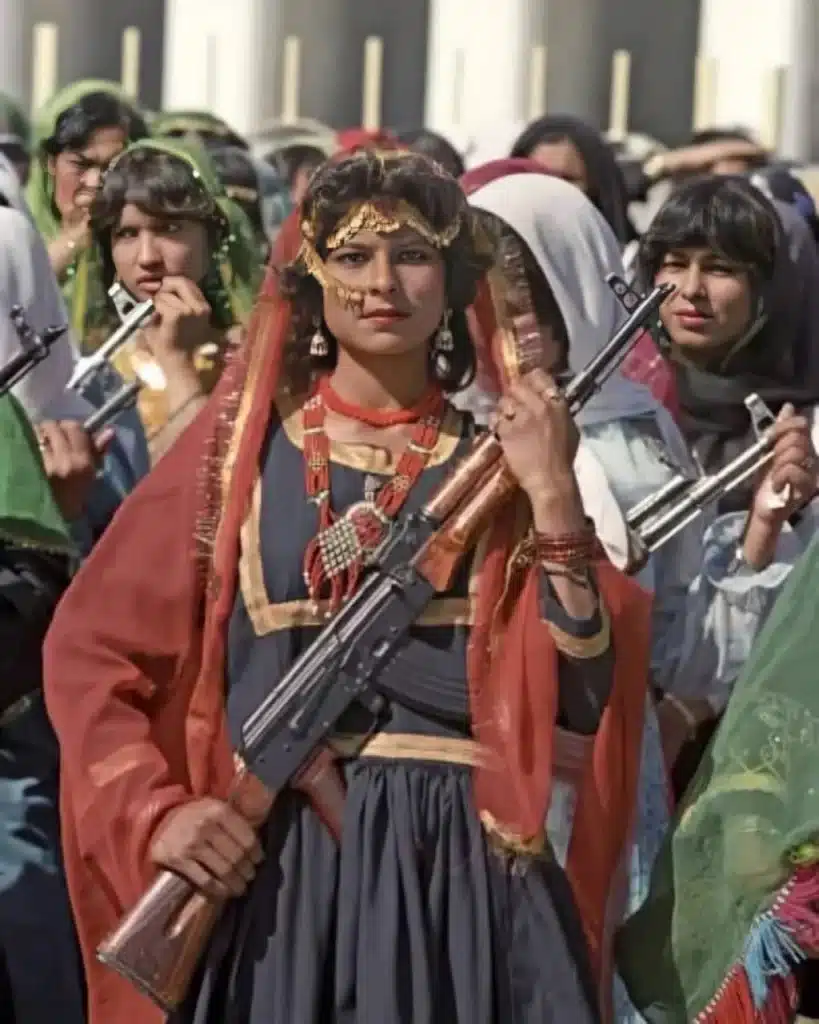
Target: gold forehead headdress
x: 382, y: 218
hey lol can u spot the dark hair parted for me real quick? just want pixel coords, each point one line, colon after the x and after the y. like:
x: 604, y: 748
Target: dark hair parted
x: 725, y: 214
x: 606, y: 184
x: 98, y: 110
x: 162, y: 185
x: 384, y: 177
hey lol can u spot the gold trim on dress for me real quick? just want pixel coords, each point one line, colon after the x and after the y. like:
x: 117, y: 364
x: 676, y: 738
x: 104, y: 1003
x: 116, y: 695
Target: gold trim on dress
x: 507, y: 842
x: 268, y: 617
x: 583, y: 647
x: 364, y: 457
x: 395, y: 746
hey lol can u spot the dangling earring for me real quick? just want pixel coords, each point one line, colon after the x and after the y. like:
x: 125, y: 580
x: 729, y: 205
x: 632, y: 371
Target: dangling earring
x: 442, y: 346
x: 319, y: 347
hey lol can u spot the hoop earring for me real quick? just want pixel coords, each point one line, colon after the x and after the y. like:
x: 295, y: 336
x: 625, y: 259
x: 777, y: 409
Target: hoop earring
x: 319, y: 346
x: 442, y: 347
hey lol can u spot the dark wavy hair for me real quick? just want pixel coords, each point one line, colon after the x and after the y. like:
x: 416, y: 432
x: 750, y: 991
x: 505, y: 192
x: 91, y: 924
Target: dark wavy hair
x: 725, y: 214
x: 163, y: 186
x: 98, y: 110
x: 438, y: 197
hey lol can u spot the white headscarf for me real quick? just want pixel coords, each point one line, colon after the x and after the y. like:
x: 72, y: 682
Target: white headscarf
x: 575, y: 249
x: 27, y: 280
x: 11, y: 188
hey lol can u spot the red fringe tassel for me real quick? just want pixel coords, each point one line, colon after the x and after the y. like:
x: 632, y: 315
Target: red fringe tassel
x: 797, y: 907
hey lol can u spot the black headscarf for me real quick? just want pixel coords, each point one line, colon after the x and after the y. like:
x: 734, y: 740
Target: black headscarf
x: 780, y: 364
x: 607, y: 188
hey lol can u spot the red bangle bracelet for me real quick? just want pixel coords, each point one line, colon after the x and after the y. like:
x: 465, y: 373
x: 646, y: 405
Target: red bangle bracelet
x: 573, y: 550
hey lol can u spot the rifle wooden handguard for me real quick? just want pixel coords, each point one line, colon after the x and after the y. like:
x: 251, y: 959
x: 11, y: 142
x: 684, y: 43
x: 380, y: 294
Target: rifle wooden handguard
x: 160, y: 942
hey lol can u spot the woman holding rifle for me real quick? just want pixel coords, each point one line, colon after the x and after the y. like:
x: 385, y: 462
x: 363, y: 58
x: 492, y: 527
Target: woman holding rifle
x: 443, y: 902
x: 743, y: 319
x: 557, y: 250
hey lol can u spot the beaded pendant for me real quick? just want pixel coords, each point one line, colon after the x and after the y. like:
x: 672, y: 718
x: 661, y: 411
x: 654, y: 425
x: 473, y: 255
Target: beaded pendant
x: 336, y: 556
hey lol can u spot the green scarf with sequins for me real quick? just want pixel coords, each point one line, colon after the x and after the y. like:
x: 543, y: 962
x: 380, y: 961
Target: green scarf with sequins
x: 235, y: 275
x: 733, y: 906
x: 175, y: 124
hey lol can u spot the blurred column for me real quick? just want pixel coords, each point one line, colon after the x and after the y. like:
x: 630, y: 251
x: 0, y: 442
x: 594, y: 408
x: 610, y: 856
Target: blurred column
x: 752, y: 42
x: 223, y: 56
x: 479, y: 60
x: 14, y: 45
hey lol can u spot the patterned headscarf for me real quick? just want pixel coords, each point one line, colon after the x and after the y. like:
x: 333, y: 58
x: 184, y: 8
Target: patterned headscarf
x: 236, y: 271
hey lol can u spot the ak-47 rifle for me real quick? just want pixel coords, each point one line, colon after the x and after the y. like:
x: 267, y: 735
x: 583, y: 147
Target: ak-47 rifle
x: 34, y: 348
x: 655, y: 520
x: 158, y: 944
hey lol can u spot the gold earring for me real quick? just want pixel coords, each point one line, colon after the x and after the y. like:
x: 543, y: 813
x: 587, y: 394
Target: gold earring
x: 319, y: 347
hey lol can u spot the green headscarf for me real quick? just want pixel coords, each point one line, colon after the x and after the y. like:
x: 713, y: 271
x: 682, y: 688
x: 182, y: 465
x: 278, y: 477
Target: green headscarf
x: 185, y: 123
x: 82, y: 288
x: 28, y: 514
x: 233, y: 282
x: 14, y: 125
x: 734, y: 899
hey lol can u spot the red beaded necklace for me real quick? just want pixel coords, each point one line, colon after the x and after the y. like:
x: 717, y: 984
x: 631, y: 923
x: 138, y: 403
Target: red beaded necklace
x: 336, y: 556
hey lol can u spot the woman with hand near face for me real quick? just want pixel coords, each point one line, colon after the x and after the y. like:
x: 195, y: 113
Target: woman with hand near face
x: 167, y: 232
x: 442, y: 903
x: 76, y: 136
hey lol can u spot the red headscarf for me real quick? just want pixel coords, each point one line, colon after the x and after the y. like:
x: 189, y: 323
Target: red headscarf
x: 644, y: 364
x: 485, y: 174
x: 351, y: 139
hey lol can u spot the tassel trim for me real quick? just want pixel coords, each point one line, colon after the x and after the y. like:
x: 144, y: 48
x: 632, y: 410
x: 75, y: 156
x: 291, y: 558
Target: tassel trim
x: 761, y: 987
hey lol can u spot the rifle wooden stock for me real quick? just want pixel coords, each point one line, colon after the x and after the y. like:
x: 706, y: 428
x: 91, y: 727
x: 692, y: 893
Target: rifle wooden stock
x: 444, y: 552
x: 160, y: 942
x: 464, y: 478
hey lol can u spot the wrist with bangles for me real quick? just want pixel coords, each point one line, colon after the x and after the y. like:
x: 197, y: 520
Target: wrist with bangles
x: 568, y: 554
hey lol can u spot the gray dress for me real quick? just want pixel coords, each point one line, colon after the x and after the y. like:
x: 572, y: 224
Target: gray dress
x: 414, y: 919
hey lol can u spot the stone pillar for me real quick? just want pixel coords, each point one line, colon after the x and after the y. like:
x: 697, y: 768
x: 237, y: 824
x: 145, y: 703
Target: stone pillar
x: 222, y: 56
x: 478, y: 63
x: 14, y: 45
x: 750, y: 40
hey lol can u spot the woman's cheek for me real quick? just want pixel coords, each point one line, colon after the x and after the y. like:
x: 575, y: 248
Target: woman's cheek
x: 65, y: 189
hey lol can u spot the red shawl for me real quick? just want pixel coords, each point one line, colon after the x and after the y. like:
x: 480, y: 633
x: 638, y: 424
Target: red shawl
x: 134, y: 671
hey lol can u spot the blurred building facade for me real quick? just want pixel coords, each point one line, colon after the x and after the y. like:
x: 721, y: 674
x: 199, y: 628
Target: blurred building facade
x: 457, y: 66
